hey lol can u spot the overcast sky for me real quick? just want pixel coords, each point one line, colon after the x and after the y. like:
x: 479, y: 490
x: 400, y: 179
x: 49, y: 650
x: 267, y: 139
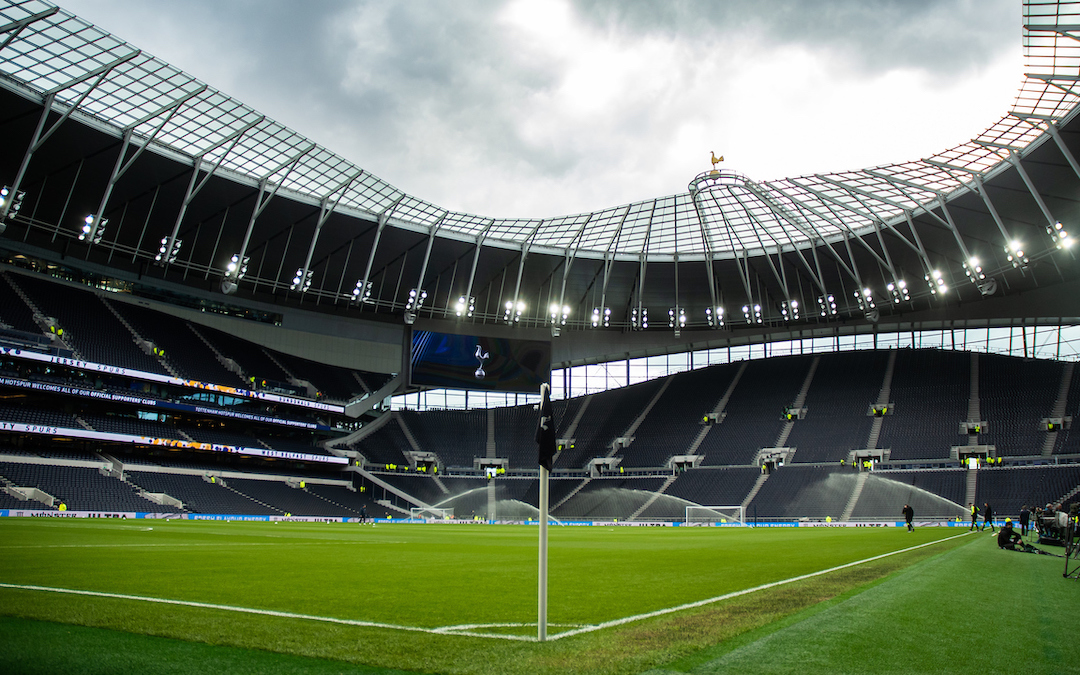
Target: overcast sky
x: 527, y: 108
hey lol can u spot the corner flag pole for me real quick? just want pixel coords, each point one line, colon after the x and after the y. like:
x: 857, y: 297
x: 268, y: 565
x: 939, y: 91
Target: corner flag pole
x: 545, y: 439
x: 541, y: 600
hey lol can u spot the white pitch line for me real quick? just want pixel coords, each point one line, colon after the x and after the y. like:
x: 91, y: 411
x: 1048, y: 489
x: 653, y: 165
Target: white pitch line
x: 249, y: 610
x: 464, y: 629
x: 735, y: 594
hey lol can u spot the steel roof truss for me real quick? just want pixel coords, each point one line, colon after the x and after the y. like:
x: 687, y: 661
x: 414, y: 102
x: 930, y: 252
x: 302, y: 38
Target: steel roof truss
x: 15, y: 27
x: 829, y: 247
x: 384, y: 217
x: 195, y: 185
x: 837, y: 222
x: 781, y: 278
x: 326, y: 209
x: 948, y: 222
x: 427, y: 254
x: 1015, y: 159
x: 571, y: 255
x: 39, y: 138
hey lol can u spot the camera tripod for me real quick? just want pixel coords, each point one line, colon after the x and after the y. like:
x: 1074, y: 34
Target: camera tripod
x: 1072, y: 546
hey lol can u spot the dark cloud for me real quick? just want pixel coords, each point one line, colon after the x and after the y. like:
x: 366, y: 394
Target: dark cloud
x: 445, y: 101
x: 945, y: 38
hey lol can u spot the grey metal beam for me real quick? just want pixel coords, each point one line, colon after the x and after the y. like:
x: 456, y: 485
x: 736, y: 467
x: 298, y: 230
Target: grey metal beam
x: 15, y: 27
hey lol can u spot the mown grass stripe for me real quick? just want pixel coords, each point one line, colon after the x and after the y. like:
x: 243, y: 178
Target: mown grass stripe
x: 746, y: 591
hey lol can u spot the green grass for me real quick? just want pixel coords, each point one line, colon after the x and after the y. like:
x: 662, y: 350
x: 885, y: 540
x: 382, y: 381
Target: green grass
x: 432, y: 576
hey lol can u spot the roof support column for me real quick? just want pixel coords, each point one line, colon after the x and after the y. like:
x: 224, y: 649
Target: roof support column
x: 1014, y: 158
x: 228, y: 284
x: 122, y: 167
x: 384, y: 217
x: 326, y: 209
x: 195, y: 185
x: 39, y: 138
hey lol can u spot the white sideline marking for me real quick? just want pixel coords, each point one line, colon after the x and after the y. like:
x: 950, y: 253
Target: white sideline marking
x: 466, y: 629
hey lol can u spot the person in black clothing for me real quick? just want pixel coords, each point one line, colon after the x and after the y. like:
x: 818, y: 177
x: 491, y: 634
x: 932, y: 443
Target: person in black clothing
x: 1025, y: 518
x: 988, y: 517
x: 363, y: 514
x: 1008, y: 537
x: 909, y: 514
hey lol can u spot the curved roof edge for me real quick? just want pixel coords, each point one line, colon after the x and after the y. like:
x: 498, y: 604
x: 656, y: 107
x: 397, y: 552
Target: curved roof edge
x: 71, y: 63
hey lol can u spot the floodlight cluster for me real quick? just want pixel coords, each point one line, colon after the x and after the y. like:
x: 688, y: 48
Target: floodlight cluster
x: 601, y: 316
x: 362, y: 291
x: 237, y: 267
x: 865, y: 299
x: 1061, y: 237
x: 936, y: 282
x: 826, y: 305
x: 416, y: 299
x: 715, y: 316
x: 465, y: 306
x: 559, y: 314
x: 513, y: 311
x: 13, y: 202
x: 789, y: 309
x: 676, y: 317
x: 898, y: 290
x: 752, y: 318
x: 168, y: 251
x: 1014, y: 253
x: 93, y: 229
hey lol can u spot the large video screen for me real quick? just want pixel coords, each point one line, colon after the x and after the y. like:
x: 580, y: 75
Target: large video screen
x: 473, y: 362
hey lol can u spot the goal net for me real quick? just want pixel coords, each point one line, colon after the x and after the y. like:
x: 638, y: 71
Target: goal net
x: 430, y: 513
x: 713, y: 515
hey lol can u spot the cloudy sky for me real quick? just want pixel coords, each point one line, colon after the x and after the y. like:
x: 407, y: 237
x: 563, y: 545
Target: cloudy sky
x: 530, y: 108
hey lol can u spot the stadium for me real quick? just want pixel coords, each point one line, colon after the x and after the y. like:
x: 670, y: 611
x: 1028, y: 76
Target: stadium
x: 263, y: 410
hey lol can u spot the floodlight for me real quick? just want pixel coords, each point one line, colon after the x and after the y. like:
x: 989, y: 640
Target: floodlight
x: 13, y: 202
x: 789, y: 310
x: 301, y: 280
x: 826, y: 305
x: 362, y: 291
x: 865, y: 299
x: 417, y: 296
x: 513, y: 311
x: 1061, y: 237
x: 715, y: 316
x: 559, y: 314
x: 93, y: 229
x: 465, y: 306
x: 1014, y: 253
x: 237, y: 267
x: 899, y: 291
x: 601, y: 316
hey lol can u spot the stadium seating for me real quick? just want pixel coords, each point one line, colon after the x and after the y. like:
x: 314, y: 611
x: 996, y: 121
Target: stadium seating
x: 930, y: 390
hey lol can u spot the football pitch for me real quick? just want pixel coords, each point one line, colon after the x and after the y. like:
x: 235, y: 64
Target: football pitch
x: 121, y: 596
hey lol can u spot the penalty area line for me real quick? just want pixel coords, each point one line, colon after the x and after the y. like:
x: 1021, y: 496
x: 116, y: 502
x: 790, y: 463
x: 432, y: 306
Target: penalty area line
x: 735, y: 594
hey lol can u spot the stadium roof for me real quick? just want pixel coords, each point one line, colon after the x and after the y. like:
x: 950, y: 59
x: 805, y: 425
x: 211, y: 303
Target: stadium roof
x: 888, y: 218
x: 58, y: 54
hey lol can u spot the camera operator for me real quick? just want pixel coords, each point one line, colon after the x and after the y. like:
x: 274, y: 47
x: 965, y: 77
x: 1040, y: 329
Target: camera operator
x: 1008, y: 538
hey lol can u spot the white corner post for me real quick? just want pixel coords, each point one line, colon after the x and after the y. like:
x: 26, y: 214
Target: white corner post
x: 541, y: 600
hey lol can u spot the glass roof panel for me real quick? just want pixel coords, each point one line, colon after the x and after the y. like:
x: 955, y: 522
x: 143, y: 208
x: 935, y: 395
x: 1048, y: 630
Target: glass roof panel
x: 52, y: 52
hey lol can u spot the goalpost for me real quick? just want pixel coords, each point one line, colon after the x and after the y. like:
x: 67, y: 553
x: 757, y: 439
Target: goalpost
x: 712, y: 515
x: 430, y: 513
